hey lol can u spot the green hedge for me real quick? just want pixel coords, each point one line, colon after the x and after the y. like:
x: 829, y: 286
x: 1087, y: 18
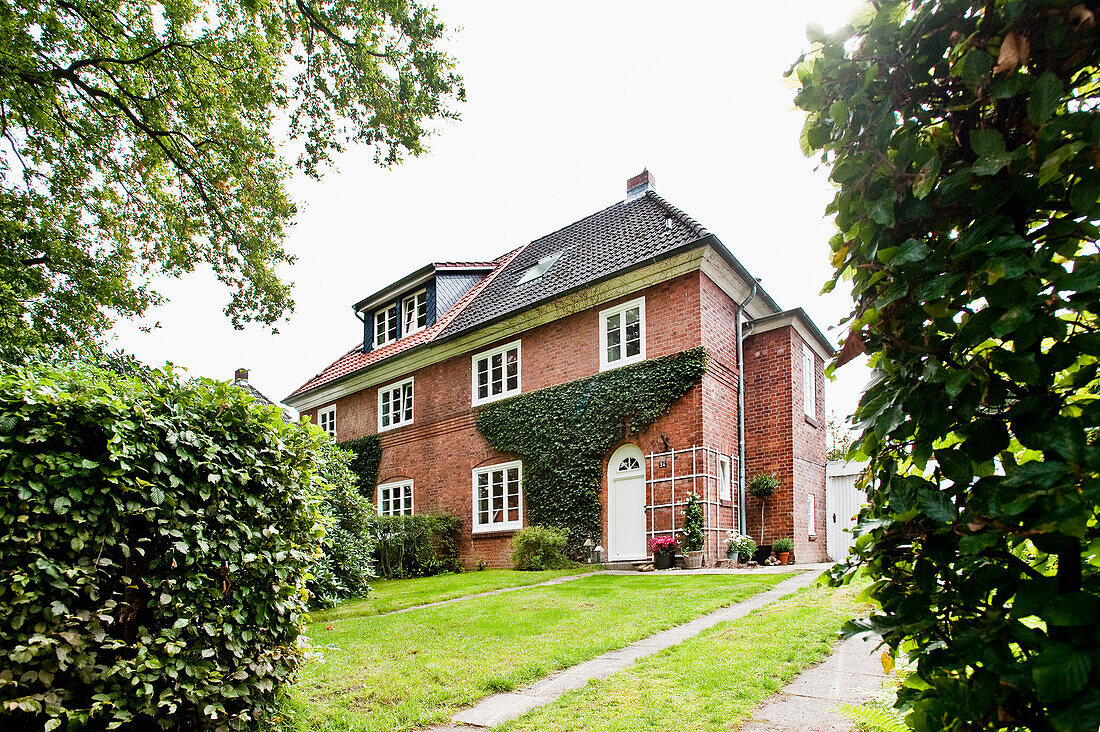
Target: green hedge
x: 345, y: 566
x: 155, y: 536
x: 535, y: 548
x: 367, y: 455
x: 416, y: 546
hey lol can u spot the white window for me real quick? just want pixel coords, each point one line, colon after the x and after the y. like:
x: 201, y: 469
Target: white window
x: 395, y: 499
x: 810, y: 511
x: 725, y: 487
x: 385, y: 326
x: 622, y: 334
x: 326, y: 420
x: 809, y: 382
x: 496, y: 373
x: 415, y: 312
x: 395, y: 404
x: 497, y: 497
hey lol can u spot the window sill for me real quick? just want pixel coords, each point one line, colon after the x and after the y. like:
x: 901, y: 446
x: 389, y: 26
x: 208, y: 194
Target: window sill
x: 494, y: 533
x: 393, y: 427
x: 811, y: 421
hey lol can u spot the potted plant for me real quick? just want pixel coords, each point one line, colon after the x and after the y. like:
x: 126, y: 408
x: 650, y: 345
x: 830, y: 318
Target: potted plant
x: 763, y: 487
x: 739, y: 547
x: 664, y: 550
x: 783, y: 548
x: 693, y: 533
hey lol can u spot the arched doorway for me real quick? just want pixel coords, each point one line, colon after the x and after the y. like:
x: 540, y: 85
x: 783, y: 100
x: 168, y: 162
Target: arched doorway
x: 626, y: 505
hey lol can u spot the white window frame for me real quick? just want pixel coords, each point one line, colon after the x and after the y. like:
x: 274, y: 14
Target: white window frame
x: 811, y: 509
x: 479, y: 528
x: 809, y: 382
x: 327, y: 414
x: 406, y: 509
x: 725, y: 478
x: 488, y: 355
x: 620, y: 310
x: 384, y: 333
x: 404, y: 312
x: 412, y: 407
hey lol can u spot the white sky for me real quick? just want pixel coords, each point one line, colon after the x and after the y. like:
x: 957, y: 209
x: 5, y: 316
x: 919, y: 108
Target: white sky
x: 566, y: 101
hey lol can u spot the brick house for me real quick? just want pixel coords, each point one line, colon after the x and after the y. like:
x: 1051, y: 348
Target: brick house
x: 637, y: 280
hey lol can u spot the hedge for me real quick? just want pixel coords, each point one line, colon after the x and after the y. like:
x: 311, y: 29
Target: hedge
x: 416, y: 546
x: 155, y: 538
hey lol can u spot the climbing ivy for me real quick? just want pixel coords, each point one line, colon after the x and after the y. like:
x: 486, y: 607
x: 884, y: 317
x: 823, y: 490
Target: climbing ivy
x: 563, y: 434
x: 368, y: 456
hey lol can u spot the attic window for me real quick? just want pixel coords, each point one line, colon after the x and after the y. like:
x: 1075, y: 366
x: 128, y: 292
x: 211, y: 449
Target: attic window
x: 539, y: 268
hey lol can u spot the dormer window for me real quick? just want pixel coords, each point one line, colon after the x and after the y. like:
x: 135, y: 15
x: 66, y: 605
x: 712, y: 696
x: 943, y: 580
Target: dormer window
x: 414, y: 310
x: 539, y: 268
x: 385, y: 326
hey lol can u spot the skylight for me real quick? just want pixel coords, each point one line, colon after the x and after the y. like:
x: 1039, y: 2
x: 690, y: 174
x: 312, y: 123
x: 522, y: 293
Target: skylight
x: 538, y: 269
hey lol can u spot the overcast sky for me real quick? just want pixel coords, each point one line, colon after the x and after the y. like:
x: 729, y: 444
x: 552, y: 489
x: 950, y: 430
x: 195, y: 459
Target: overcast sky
x: 566, y: 101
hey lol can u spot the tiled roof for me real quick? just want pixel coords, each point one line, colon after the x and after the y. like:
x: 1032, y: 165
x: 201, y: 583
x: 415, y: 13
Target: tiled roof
x: 614, y: 239
x: 355, y: 360
x: 258, y: 395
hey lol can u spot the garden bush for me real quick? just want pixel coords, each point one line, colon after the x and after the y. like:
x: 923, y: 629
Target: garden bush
x: 345, y: 565
x: 155, y: 539
x: 535, y: 548
x: 416, y: 546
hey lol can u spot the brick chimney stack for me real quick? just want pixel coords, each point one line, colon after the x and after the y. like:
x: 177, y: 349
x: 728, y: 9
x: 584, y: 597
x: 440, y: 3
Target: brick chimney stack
x: 637, y: 186
x: 240, y: 375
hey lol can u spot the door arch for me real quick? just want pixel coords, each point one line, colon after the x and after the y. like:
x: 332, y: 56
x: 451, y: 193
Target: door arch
x: 626, y: 504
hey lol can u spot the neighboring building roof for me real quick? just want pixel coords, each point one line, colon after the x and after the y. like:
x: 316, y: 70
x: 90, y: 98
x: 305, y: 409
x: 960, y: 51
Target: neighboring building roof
x: 355, y: 359
x: 240, y: 380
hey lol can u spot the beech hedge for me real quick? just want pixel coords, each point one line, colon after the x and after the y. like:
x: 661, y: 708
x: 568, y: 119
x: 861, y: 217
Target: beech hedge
x: 155, y: 542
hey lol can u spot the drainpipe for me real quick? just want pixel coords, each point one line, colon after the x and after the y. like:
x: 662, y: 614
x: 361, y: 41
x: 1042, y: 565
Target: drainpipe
x: 742, y: 527
x: 363, y: 320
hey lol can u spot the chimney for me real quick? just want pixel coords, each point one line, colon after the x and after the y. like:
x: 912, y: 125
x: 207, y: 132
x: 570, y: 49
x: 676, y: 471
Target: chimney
x: 637, y: 186
x: 240, y: 375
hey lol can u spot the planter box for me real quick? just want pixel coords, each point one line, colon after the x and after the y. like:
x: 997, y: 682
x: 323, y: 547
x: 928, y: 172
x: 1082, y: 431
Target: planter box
x: 693, y: 560
x: 762, y: 553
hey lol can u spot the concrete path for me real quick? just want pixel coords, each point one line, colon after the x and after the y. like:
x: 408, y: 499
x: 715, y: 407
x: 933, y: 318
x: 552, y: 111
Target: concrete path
x: 500, y: 708
x: 851, y: 674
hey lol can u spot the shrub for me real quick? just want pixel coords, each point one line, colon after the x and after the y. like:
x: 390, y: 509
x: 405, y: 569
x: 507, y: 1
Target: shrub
x: 345, y: 565
x: 739, y: 545
x: 783, y: 545
x: 536, y: 548
x: 763, y: 487
x: 366, y: 457
x: 693, y: 524
x: 155, y: 536
x: 416, y: 546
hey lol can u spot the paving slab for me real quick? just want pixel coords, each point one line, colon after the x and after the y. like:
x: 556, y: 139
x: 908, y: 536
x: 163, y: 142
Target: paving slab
x: 499, y: 708
x: 851, y: 674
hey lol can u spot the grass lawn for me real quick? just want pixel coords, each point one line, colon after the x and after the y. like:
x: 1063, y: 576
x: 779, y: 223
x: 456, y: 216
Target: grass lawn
x: 403, y: 671
x: 389, y: 595
x: 711, y: 682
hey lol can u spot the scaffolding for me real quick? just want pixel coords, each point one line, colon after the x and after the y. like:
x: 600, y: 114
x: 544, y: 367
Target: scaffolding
x: 673, y: 475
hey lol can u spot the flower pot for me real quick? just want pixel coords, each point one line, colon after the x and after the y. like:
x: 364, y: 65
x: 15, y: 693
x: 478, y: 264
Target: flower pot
x: 662, y: 560
x: 744, y: 558
x: 762, y: 553
x: 693, y: 560
x: 783, y: 557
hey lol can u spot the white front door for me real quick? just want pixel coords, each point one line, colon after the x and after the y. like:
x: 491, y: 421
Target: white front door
x: 626, y: 505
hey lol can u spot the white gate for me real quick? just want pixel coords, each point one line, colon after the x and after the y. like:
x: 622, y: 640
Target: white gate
x: 842, y: 502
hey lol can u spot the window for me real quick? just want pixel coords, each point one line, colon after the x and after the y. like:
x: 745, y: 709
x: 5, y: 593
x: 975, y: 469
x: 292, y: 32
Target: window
x: 395, y: 499
x: 497, y: 499
x: 385, y: 326
x: 622, y: 334
x: 725, y: 487
x: 811, y: 509
x: 629, y: 464
x: 539, y: 268
x: 809, y: 382
x: 395, y: 404
x: 496, y: 373
x: 326, y: 420
x: 415, y: 312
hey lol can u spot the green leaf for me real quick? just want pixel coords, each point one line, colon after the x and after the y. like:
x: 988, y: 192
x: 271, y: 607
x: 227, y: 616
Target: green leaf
x: 1052, y: 165
x: 1059, y: 672
x: 1046, y: 96
x: 157, y: 495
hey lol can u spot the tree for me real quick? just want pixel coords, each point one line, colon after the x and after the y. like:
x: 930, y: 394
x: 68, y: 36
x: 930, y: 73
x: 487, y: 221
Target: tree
x: 963, y: 138
x: 137, y: 139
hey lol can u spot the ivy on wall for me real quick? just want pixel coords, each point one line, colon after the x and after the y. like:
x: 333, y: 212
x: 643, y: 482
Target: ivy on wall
x: 563, y: 434
x: 368, y: 456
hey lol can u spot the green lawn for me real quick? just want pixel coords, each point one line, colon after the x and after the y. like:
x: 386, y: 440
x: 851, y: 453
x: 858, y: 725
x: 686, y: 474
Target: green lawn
x: 389, y: 595
x: 403, y: 671
x: 709, y: 683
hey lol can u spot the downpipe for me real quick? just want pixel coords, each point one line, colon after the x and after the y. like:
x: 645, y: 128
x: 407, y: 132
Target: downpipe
x: 742, y: 526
